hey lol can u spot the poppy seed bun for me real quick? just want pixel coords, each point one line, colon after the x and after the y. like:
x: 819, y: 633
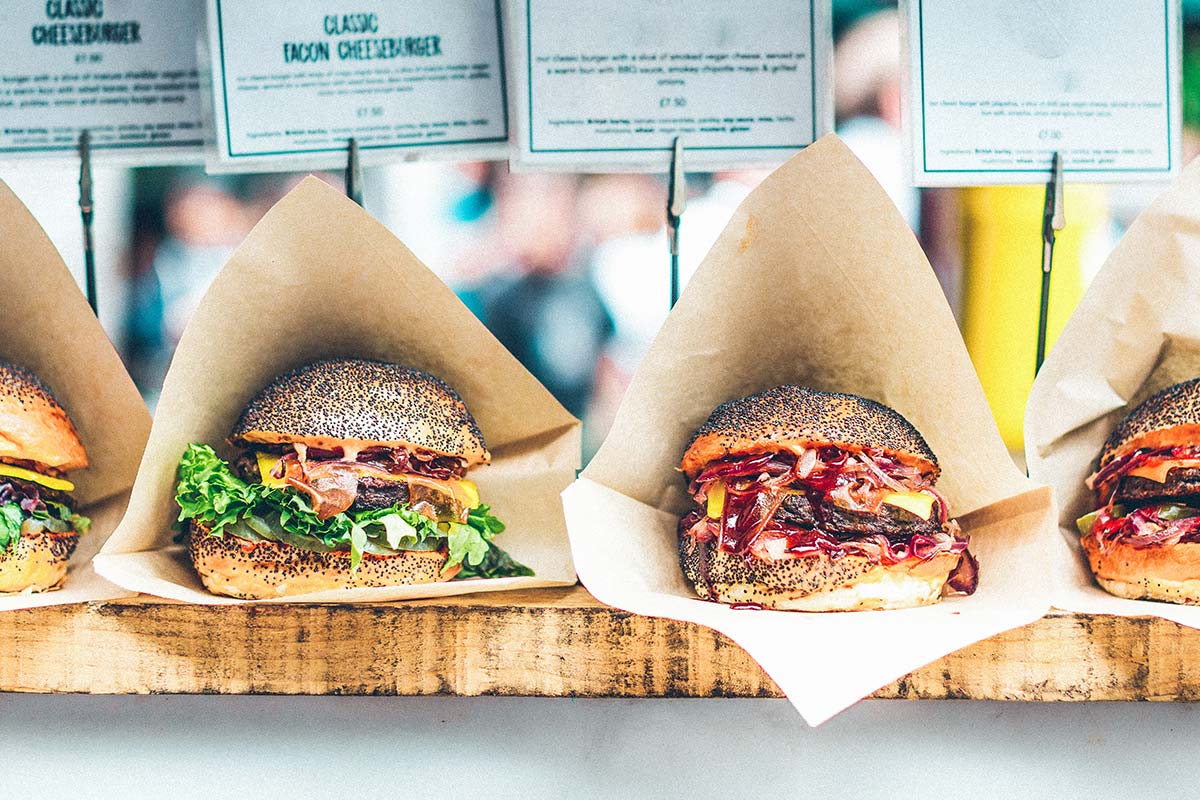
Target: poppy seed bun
x: 814, y: 583
x: 792, y: 416
x: 37, y: 562
x: 1170, y: 573
x: 351, y: 399
x: 33, y: 426
x: 263, y: 570
x: 1168, y: 418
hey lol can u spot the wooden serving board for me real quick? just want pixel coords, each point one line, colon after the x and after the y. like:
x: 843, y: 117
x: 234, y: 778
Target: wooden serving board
x: 545, y: 642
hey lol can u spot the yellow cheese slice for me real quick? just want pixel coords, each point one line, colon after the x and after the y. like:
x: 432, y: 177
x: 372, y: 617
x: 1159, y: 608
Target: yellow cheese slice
x: 917, y: 503
x: 716, y: 500
x: 1158, y: 472
x: 469, y: 492
x: 266, y: 465
x: 57, y: 484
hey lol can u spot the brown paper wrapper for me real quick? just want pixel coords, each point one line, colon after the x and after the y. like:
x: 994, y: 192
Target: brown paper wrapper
x: 47, y: 327
x: 816, y: 281
x: 1134, y: 332
x: 319, y: 277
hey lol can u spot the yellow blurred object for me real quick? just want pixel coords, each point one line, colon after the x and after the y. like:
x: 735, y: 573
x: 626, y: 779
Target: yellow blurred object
x: 1002, y: 283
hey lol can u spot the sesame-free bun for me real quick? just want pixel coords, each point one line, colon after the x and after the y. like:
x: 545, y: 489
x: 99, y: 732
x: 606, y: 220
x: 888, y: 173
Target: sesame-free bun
x: 37, y: 562
x: 33, y: 426
x: 1168, y: 418
x: 263, y: 570
x: 1169, y: 572
x: 813, y: 583
x: 327, y: 403
x: 792, y: 416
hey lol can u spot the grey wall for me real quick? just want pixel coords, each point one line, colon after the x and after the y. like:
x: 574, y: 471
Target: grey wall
x: 219, y: 748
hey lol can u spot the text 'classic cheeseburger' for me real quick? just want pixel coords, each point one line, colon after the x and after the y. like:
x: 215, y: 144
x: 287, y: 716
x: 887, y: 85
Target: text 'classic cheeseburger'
x: 815, y: 501
x: 1144, y: 539
x: 38, y: 446
x: 352, y: 473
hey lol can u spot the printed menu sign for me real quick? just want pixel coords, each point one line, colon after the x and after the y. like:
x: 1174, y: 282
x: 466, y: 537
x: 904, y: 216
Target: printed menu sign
x: 741, y: 83
x: 123, y: 69
x: 293, y: 82
x: 996, y: 88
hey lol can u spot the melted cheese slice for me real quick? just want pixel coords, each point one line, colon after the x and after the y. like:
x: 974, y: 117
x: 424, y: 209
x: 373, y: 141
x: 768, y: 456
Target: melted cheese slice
x: 1158, y: 472
x: 266, y: 465
x: 465, y: 491
x: 57, y: 484
x: 716, y: 500
x: 916, y: 503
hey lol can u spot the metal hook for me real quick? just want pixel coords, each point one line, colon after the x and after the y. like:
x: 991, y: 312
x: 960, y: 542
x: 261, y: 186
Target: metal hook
x: 86, y: 212
x: 1053, y: 220
x: 676, y: 203
x: 353, y: 173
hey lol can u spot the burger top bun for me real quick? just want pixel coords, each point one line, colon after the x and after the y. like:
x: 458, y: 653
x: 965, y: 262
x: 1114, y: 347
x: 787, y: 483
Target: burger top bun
x: 328, y: 402
x: 792, y: 416
x: 1167, y: 418
x: 33, y: 426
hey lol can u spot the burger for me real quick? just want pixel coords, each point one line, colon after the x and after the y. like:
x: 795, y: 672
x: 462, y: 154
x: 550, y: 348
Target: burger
x: 1143, y: 539
x: 817, y: 501
x: 348, y: 473
x: 38, y: 447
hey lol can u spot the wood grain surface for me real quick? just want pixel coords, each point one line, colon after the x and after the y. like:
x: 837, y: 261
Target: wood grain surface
x: 546, y: 642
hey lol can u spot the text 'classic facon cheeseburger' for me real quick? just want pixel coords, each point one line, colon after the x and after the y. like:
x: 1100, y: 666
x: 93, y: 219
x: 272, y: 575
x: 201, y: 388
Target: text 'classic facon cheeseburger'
x: 38, y: 446
x: 1143, y: 542
x: 816, y: 501
x: 351, y: 473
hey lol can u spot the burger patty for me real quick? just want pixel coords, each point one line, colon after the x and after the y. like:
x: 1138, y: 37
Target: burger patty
x: 1181, y: 483
x: 896, y: 524
x: 374, y: 493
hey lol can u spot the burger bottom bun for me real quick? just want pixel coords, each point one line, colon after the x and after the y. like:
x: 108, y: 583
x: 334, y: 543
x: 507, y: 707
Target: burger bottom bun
x: 1170, y: 573
x: 247, y: 570
x: 814, y: 583
x: 37, y: 562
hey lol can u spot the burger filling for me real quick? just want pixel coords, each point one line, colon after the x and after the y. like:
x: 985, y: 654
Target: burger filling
x: 825, y: 500
x: 375, y: 501
x: 34, y: 501
x: 1149, y: 498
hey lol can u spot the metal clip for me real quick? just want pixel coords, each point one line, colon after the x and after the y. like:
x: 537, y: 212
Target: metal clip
x: 1053, y: 220
x: 676, y: 203
x: 86, y: 213
x: 353, y: 173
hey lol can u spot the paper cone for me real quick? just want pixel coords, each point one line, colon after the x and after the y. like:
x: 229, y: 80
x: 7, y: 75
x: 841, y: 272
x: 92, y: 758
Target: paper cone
x: 816, y: 281
x: 316, y: 278
x: 47, y: 327
x: 1135, y: 331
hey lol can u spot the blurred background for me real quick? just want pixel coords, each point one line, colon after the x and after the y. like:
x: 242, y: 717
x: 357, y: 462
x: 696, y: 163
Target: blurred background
x: 571, y: 272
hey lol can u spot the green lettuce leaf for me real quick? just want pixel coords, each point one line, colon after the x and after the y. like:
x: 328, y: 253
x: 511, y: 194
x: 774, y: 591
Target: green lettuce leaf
x: 209, y: 492
x: 495, y: 564
x: 10, y: 525
x: 55, y: 517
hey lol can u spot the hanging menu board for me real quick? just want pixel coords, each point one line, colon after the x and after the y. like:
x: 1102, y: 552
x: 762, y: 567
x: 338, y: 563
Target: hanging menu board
x: 123, y: 69
x: 295, y: 80
x: 994, y: 89
x: 609, y: 87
